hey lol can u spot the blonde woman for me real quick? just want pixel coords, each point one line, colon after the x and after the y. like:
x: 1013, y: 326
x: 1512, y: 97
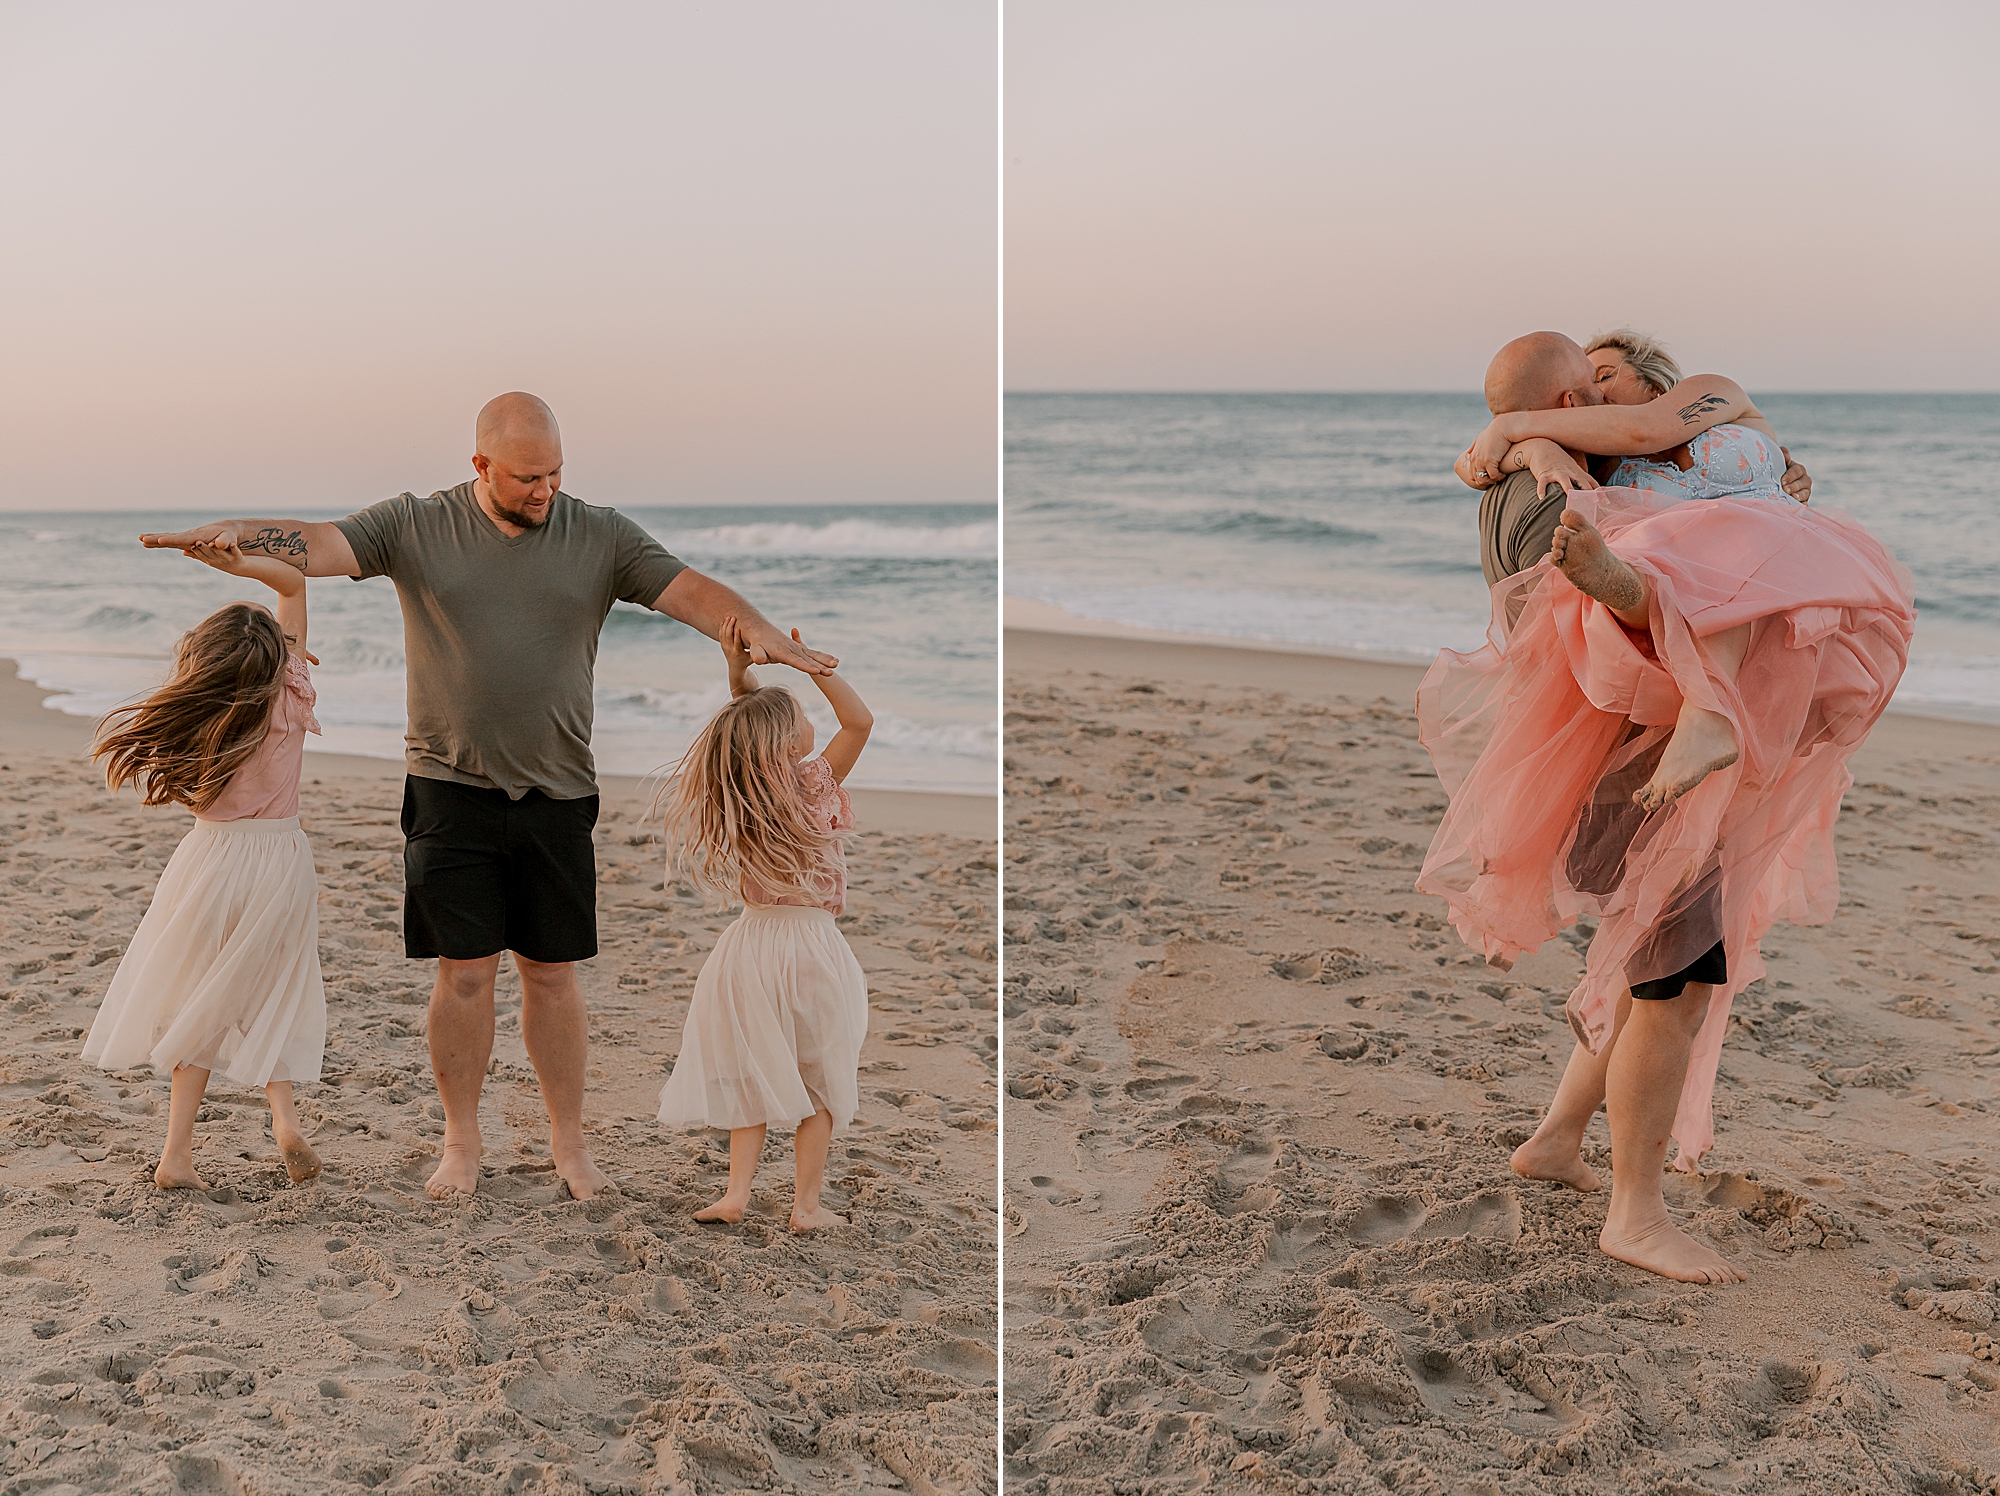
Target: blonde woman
x: 774, y: 1031
x: 223, y: 973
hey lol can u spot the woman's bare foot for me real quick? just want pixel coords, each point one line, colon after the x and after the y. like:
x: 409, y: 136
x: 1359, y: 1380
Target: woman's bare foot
x: 301, y: 1163
x: 1703, y: 742
x: 575, y: 1167
x: 815, y: 1218
x: 725, y: 1212
x: 1554, y: 1159
x: 1594, y: 569
x: 178, y: 1174
x: 457, y: 1172
x: 1662, y: 1247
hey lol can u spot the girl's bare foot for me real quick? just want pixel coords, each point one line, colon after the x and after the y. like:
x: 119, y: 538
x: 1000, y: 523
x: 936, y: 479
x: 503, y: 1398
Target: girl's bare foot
x: 726, y: 1212
x: 815, y: 1218
x: 1703, y: 742
x: 301, y: 1163
x: 178, y: 1174
x: 457, y: 1172
x: 1553, y: 1159
x: 1662, y: 1247
x: 1594, y: 569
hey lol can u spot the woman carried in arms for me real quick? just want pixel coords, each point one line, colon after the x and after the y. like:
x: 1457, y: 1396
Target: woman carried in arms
x: 1660, y: 741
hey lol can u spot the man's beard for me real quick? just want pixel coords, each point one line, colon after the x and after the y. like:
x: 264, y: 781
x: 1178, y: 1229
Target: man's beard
x: 516, y: 517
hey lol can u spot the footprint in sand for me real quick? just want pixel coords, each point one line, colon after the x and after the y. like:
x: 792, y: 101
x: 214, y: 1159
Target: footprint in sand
x: 1490, y: 1213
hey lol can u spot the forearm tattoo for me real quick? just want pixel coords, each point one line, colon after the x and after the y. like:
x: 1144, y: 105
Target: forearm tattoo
x: 1690, y: 414
x: 272, y: 540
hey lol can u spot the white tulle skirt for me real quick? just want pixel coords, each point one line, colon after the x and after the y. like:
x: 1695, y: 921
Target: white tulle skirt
x: 223, y: 973
x: 775, y: 1028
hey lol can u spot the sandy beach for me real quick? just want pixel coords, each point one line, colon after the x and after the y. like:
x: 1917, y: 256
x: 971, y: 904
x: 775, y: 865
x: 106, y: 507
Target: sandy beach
x: 351, y: 1334
x: 1260, y: 1229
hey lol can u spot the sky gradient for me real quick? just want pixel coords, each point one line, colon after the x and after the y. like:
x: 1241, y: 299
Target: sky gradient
x: 269, y: 257
x: 1317, y: 196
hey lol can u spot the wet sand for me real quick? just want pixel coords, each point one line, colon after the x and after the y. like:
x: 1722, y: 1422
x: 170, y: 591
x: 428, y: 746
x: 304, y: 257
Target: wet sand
x: 352, y: 1334
x: 1261, y: 1230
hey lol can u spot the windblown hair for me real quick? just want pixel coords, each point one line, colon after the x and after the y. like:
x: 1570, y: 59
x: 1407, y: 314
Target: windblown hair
x: 734, y: 811
x: 1647, y: 355
x: 182, y: 743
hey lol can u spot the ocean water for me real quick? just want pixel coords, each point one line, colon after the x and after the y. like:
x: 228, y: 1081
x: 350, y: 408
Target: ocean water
x: 906, y: 595
x: 1333, y: 522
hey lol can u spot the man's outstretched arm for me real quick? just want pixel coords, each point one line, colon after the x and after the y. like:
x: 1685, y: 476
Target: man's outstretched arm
x: 702, y: 603
x: 316, y: 548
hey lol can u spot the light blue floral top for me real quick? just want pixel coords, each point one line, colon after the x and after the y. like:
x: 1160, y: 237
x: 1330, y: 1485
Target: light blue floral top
x: 1730, y: 462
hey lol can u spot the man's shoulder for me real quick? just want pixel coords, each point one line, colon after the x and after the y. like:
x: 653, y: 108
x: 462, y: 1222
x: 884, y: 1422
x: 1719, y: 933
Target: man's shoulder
x: 406, y: 504
x: 596, y: 519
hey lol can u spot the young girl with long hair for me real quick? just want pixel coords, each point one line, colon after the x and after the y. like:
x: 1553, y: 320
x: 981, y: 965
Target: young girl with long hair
x: 780, y: 1009
x: 223, y: 973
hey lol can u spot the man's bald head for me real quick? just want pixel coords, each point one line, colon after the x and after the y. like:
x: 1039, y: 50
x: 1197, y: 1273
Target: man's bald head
x: 1536, y: 371
x: 518, y: 456
x: 511, y: 417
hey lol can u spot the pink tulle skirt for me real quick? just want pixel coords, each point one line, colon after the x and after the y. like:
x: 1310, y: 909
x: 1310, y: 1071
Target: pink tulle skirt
x: 1542, y: 736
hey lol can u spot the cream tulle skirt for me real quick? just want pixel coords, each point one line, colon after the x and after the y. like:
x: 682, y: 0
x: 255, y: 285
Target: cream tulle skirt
x: 223, y: 973
x: 775, y: 1028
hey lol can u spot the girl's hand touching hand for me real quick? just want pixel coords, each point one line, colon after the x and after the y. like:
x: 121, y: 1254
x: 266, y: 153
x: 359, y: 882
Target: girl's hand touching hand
x: 737, y: 654
x: 221, y: 552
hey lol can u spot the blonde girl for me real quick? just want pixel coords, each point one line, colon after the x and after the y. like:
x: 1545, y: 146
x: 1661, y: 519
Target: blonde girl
x: 780, y: 1009
x: 223, y: 973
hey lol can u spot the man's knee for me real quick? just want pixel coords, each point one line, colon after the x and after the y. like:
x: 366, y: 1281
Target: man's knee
x: 541, y: 979
x: 467, y: 981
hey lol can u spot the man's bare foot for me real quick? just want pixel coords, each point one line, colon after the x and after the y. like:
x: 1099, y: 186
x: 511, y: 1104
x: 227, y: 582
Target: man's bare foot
x: 576, y: 1169
x: 457, y: 1172
x: 301, y: 1163
x: 178, y: 1174
x: 1596, y: 570
x: 1553, y: 1159
x: 1665, y: 1249
x: 725, y: 1212
x: 815, y: 1218
x: 1703, y: 742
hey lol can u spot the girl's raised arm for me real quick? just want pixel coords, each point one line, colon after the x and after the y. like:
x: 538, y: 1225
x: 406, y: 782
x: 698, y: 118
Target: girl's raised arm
x: 1685, y: 411
x: 281, y: 577
x: 856, y: 721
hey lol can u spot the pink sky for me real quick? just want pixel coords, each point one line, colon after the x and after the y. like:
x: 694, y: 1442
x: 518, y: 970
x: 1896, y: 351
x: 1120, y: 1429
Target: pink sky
x: 1344, y: 196
x: 262, y: 257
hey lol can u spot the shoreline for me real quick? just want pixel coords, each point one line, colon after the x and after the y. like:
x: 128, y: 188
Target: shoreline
x: 1038, y: 653
x: 1026, y: 616
x: 27, y: 727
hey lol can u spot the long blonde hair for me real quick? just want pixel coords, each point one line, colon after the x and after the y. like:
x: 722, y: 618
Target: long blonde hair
x: 182, y: 743
x: 734, y: 811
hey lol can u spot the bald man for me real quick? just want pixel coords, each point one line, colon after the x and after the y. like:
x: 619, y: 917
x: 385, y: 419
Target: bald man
x: 505, y: 582
x: 1542, y: 371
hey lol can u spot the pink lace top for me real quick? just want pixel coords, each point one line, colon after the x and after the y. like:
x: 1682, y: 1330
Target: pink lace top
x: 831, y: 810
x: 266, y: 788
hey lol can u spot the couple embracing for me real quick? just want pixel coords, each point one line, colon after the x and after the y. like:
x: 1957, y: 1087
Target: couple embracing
x: 1683, y: 658
x: 505, y: 582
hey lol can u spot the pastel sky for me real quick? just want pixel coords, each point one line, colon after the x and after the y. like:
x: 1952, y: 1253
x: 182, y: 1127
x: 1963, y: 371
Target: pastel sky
x: 262, y: 257
x: 1311, y: 195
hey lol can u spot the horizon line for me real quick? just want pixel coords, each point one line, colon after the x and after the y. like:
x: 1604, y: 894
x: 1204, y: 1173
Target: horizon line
x: 1474, y: 394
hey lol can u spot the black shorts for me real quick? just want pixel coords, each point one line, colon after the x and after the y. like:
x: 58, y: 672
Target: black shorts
x: 1711, y: 966
x: 484, y: 874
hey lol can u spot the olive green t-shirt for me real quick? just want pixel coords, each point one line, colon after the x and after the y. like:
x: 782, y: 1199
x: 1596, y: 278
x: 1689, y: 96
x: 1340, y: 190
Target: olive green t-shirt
x: 501, y: 634
x: 1516, y: 525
